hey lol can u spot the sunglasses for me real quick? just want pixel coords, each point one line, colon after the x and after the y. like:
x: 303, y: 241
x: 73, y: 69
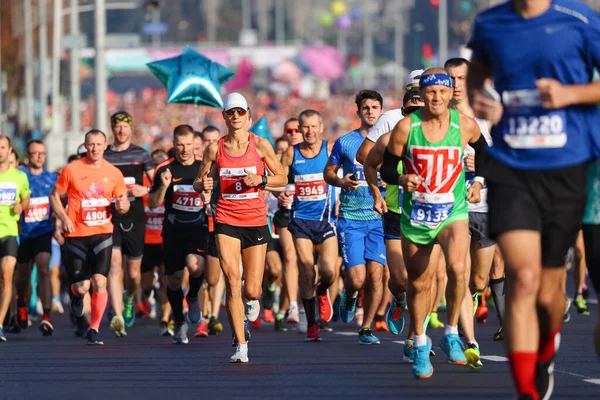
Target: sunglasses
x: 291, y: 131
x: 240, y: 112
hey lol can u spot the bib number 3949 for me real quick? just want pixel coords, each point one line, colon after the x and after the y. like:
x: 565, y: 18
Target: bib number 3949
x: 431, y: 210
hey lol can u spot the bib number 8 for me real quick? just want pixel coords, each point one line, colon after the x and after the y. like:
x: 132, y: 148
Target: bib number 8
x: 542, y: 125
x: 238, y: 186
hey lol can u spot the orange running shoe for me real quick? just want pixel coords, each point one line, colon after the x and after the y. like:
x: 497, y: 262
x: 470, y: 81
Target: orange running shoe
x: 268, y: 316
x: 482, y: 310
x: 381, y: 326
x: 202, y: 330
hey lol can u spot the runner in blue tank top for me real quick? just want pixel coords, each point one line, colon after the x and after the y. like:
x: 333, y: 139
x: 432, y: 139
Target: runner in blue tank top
x: 543, y: 137
x: 311, y: 219
x: 360, y: 228
x: 36, y: 228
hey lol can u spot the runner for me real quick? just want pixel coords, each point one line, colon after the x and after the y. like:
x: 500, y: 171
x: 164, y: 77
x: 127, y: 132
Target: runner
x: 361, y: 235
x: 240, y: 159
x: 312, y: 219
x: 434, y: 206
x: 36, y: 231
x: 198, y: 145
x: 154, y: 255
x: 543, y: 138
x: 90, y: 184
x: 129, y: 228
x: 185, y: 232
x: 14, y: 198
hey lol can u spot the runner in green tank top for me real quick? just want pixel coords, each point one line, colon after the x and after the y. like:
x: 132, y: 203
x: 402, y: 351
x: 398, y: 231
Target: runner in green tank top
x: 434, y: 207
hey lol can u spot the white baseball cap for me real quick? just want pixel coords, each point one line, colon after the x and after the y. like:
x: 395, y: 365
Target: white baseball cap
x: 413, y: 77
x: 81, y: 149
x: 235, y: 100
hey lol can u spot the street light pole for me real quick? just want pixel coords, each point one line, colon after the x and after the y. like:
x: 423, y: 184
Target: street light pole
x: 43, y: 7
x: 75, y: 69
x: 29, y: 112
x: 443, y: 31
x: 100, y: 72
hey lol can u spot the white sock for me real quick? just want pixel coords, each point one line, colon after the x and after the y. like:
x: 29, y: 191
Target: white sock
x: 243, y: 347
x: 450, y: 330
x: 420, y: 340
x: 293, y: 304
x: 474, y: 342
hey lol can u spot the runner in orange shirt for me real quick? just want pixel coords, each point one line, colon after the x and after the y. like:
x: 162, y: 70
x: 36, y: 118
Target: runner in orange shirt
x: 90, y: 184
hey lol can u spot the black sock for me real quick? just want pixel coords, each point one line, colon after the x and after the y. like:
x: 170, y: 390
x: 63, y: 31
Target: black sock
x: 309, y: 308
x: 379, y: 317
x: 147, y: 293
x: 176, y: 301
x: 322, y: 289
x: 497, y: 286
x: 195, y: 284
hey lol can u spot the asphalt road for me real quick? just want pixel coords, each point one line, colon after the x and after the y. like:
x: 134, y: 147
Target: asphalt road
x: 145, y: 366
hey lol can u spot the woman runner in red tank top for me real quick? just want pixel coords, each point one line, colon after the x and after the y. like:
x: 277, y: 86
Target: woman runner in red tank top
x: 240, y: 159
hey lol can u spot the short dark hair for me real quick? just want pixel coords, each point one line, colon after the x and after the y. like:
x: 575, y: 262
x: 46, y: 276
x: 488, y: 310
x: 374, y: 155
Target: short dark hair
x: 366, y: 95
x: 73, y: 157
x: 281, y: 139
x: 198, y: 135
x: 310, y: 113
x: 13, y: 151
x: 33, y: 142
x: 94, y: 132
x: 7, y: 140
x: 456, y: 62
x: 182, y: 130
x: 210, y: 128
x: 293, y: 119
x: 157, y: 152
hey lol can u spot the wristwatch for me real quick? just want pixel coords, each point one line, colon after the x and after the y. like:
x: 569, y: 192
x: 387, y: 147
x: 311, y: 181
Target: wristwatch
x: 264, y: 181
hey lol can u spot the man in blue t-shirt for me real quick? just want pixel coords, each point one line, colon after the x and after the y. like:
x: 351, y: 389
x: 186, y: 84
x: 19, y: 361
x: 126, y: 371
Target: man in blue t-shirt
x: 36, y: 231
x: 360, y: 230
x: 540, y: 55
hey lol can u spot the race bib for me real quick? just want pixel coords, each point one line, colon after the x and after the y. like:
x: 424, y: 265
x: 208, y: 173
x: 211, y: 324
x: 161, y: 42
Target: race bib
x: 527, y: 125
x: 233, y: 186
x: 8, y: 193
x: 38, y: 210
x: 185, y: 198
x: 431, y: 210
x: 359, y: 173
x: 155, y: 218
x: 310, y: 187
x: 95, y: 212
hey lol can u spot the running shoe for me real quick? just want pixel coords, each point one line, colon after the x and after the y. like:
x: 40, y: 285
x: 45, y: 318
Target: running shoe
x: 366, y: 337
x: 395, y: 316
x: 544, y: 374
x: 499, y: 336
x: 408, y: 352
x: 46, y: 327
x: 434, y: 322
x: 255, y: 324
x: 475, y: 303
x: 324, y: 326
x: 194, y: 314
x: 240, y: 356
x: 381, y: 326
x: 180, y: 336
x: 142, y: 310
x: 117, y: 325
x: 312, y: 334
x: 252, y: 309
x: 82, y: 326
x: 581, y: 306
x: 57, y: 307
x: 303, y: 323
x: 421, y: 366
x: 202, y: 330
x: 279, y: 324
x: 247, y: 335
x: 325, y: 307
x: 92, y: 338
x: 22, y: 318
x: 482, y: 312
x: 165, y: 329
x: 214, y: 326
x: 452, y: 346
x: 2, y: 337
x: 76, y: 305
x: 347, y: 307
x: 293, y: 314
x: 129, y: 311
x: 567, y: 315
x: 473, y: 356
x: 268, y: 316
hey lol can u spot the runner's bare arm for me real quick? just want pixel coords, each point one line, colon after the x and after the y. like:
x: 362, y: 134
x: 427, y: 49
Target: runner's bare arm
x: 122, y: 203
x: 364, y: 150
x: 279, y: 178
x: 159, y: 188
x: 22, y: 205
x: 372, y: 161
x: 208, y: 160
x: 287, y: 159
x: 394, y: 152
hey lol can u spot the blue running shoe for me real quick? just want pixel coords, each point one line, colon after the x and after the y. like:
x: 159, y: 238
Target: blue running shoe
x: 180, y: 336
x: 347, y: 307
x: 408, y: 353
x: 453, y: 347
x: 2, y: 337
x: 365, y: 336
x: 395, y: 316
x: 421, y: 366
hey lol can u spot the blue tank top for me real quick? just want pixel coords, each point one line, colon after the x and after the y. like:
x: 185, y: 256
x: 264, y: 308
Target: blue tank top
x: 563, y: 44
x: 37, y: 219
x: 314, y: 197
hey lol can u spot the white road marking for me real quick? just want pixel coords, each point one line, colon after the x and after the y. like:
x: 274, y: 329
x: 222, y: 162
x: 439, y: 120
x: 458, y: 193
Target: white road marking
x: 347, y: 333
x: 594, y: 381
x: 400, y: 341
x: 495, y: 358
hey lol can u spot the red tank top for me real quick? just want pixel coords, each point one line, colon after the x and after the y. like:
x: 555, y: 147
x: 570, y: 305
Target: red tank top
x: 154, y: 219
x: 240, y: 205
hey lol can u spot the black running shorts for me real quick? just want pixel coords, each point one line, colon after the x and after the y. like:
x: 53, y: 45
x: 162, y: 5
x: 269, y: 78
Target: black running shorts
x: 9, y: 247
x: 30, y: 248
x: 180, y: 241
x: 87, y: 256
x: 248, y: 235
x: 153, y: 257
x: 129, y: 237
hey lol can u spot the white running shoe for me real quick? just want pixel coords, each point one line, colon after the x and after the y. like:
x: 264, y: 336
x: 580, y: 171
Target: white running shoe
x: 252, y: 309
x: 241, y: 354
x: 293, y: 316
x: 303, y: 323
x: 57, y: 307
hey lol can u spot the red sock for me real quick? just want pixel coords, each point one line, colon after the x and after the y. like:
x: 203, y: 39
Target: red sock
x: 99, y: 301
x: 522, y: 365
x: 548, y: 346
